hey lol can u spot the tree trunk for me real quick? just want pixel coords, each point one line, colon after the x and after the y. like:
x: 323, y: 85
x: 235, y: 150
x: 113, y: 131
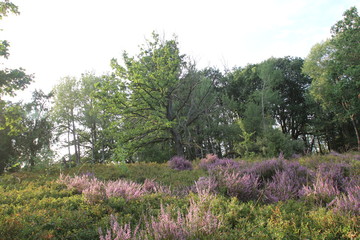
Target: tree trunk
x: 102, y: 149
x: 356, y: 132
x: 179, y: 148
x: 32, y: 158
x: 319, y: 143
x: 263, y: 107
x: 68, y: 138
x: 78, y: 146
x: 93, y: 141
x: 77, y: 154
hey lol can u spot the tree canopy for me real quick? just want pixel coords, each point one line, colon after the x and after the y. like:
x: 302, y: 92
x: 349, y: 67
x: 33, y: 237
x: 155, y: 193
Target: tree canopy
x: 158, y: 103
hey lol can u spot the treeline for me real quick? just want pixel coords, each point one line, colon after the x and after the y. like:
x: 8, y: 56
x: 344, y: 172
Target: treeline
x: 158, y: 104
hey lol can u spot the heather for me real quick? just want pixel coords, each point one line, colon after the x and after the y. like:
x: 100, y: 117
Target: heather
x: 179, y: 163
x: 311, y: 197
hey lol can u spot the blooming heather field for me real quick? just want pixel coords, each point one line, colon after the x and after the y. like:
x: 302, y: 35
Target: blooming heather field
x: 315, y: 197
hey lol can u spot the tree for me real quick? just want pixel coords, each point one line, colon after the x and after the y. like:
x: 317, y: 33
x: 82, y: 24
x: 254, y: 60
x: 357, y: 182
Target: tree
x: 240, y: 84
x: 65, y: 113
x: 11, y: 80
x: 10, y: 118
x: 91, y: 119
x: 334, y: 67
x: 155, y: 97
x: 268, y: 95
x: 37, y: 133
x: 291, y: 110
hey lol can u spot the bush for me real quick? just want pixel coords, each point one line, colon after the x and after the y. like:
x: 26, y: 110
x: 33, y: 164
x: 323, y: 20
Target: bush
x: 205, y: 184
x: 244, y: 187
x: 348, y: 202
x: 197, y: 222
x: 34, y: 206
x: 322, y: 191
x: 118, y: 232
x: 179, y: 163
x: 286, y: 184
x: 207, y: 161
x: 266, y: 170
x: 124, y: 189
x: 338, y: 173
x: 212, y: 163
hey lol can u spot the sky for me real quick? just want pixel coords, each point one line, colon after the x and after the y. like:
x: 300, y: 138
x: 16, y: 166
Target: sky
x: 56, y: 38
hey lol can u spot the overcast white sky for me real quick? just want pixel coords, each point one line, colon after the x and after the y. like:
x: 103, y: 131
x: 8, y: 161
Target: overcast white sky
x: 56, y: 38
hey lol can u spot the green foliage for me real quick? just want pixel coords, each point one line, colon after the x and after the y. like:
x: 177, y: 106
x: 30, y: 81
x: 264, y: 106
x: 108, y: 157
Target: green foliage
x: 66, y: 103
x: 161, y: 173
x: 7, y: 7
x: 334, y: 67
x: 157, y: 105
x: 26, y: 132
x: 246, y: 146
x: 275, y: 142
x: 34, y: 206
x: 156, y: 98
x: 10, y: 79
x: 35, y: 210
x: 101, y: 171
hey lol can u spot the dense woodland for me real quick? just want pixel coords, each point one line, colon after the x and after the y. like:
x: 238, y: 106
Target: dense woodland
x: 158, y: 104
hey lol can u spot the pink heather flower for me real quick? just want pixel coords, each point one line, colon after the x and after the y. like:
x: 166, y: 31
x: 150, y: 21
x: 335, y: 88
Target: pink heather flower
x: 117, y: 232
x: 150, y: 186
x: 213, y: 163
x: 201, y: 220
x: 324, y: 189
x: 348, y: 202
x: 179, y: 163
x: 197, y: 220
x: 95, y: 192
x: 125, y: 189
x: 208, y: 160
x: 79, y: 183
x: 243, y: 186
x: 205, y: 185
x: 165, y: 227
x: 286, y: 184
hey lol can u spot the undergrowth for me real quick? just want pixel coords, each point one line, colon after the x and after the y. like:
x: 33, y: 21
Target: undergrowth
x: 314, y: 197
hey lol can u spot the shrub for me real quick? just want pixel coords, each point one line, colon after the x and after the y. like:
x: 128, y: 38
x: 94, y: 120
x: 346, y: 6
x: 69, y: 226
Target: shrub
x: 286, y: 184
x: 323, y: 190
x: 207, y: 161
x: 123, y: 188
x: 179, y: 163
x: 349, y: 202
x: 266, y: 169
x: 338, y: 173
x: 79, y: 183
x: 166, y: 227
x: 244, y: 187
x: 283, y: 186
x: 212, y: 163
x: 205, y: 185
x: 95, y: 192
x: 118, y: 232
x: 197, y: 222
x: 151, y: 186
x: 330, y: 180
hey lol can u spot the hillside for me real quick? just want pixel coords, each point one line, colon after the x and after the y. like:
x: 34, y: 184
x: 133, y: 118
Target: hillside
x: 315, y: 197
